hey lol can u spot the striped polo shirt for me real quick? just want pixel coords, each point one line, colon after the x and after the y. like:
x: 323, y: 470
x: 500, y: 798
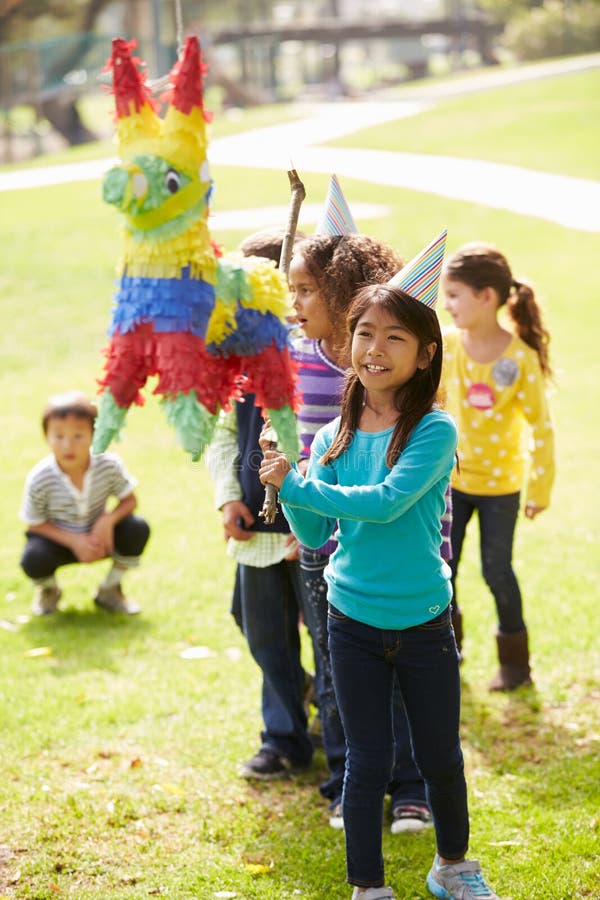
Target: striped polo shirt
x: 51, y: 496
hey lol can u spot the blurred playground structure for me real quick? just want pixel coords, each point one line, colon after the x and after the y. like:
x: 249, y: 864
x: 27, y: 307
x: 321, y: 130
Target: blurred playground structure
x: 250, y: 64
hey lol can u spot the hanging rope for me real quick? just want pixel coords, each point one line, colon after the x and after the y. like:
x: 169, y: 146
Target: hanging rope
x: 158, y: 85
x: 179, y: 28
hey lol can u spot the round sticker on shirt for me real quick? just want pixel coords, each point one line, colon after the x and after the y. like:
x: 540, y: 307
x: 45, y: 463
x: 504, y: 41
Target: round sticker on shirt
x: 481, y: 396
x: 505, y: 372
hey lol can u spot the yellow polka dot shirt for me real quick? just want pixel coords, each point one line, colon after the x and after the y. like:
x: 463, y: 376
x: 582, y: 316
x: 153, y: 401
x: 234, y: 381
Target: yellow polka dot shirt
x: 505, y: 433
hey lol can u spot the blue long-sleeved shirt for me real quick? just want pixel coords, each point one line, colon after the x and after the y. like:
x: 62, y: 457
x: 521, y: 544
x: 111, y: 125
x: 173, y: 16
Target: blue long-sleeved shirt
x: 386, y: 571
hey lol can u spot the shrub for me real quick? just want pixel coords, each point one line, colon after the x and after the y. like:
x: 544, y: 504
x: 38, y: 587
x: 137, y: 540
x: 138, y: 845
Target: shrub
x: 554, y: 29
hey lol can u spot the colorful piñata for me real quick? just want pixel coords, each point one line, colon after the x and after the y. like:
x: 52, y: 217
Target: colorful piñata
x: 211, y: 327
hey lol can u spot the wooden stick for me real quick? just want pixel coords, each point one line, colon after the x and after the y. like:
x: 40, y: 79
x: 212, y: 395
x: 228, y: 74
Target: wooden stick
x: 269, y: 510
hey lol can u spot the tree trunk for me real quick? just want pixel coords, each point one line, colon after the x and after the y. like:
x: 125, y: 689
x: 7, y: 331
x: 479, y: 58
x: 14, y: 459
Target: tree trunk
x: 63, y: 115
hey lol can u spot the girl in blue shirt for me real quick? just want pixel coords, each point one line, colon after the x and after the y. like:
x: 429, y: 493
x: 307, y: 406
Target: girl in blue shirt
x: 380, y: 470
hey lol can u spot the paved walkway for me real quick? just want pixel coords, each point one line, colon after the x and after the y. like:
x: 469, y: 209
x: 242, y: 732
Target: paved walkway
x: 568, y: 201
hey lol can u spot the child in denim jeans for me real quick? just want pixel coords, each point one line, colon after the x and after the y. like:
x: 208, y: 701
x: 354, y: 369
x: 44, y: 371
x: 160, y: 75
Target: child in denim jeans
x: 378, y: 475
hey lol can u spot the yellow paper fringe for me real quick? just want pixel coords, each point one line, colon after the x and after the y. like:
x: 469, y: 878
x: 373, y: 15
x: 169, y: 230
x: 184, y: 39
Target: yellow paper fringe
x: 138, y: 125
x: 166, y: 259
x: 221, y: 322
x: 269, y: 292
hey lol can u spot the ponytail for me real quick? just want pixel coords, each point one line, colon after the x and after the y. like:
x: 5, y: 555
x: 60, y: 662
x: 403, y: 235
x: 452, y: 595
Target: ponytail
x: 527, y: 316
x: 481, y: 265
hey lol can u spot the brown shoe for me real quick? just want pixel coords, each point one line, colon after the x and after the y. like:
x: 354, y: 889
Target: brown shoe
x: 513, y: 655
x: 45, y: 600
x: 114, y: 600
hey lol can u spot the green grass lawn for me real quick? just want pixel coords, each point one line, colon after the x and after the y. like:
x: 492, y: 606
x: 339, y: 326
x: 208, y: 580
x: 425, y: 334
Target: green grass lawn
x: 119, y: 756
x: 551, y: 124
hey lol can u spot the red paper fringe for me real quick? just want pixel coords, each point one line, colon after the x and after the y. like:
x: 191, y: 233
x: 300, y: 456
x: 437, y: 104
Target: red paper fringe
x: 271, y: 375
x: 186, y: 75
x: 181, y: 362
x: 129, y: 83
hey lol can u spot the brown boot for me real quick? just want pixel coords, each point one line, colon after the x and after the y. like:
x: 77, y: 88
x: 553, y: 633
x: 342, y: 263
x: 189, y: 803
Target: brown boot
x: 513, y: 654
x: 457, y: 625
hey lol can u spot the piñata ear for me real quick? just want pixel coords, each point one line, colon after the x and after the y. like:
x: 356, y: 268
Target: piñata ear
x: 186, y: 110
x: 336, y: 218
x: 136, y: 110
x: 421, y: 276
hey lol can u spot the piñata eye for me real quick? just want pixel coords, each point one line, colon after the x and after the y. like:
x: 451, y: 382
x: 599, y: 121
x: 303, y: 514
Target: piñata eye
x: 172, y: 181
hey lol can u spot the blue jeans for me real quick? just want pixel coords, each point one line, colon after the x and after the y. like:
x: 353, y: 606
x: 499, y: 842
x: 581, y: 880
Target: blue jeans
x: 406, y: 785
x: 270, y: 607
x: 497, y: 522
x: 425, y: 660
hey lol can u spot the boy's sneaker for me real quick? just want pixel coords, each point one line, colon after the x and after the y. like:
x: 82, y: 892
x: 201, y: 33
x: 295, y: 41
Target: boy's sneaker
x: 373, y: 893
x: 114, y: 600
x: 461, y: 881
x: 336, y: 819
x: 266, y: 766
x: 410, y: 818
x: 45, y: 600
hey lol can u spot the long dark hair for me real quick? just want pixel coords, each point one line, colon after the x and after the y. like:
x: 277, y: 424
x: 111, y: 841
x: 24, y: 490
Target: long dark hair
x: 413, y: 399
x: 481, y: 265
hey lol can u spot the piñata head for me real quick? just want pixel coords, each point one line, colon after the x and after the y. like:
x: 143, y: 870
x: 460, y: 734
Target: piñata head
x: 210, y: 327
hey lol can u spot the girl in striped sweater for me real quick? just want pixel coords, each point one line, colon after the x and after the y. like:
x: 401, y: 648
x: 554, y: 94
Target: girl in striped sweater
x: 325, y: 273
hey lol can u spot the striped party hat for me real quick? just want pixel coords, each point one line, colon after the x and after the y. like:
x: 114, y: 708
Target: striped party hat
x: 421, y: 276
x: 336, y: 218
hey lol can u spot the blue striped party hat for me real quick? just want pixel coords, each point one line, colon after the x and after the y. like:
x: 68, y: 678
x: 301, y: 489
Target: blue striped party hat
x: 421, y: 276
x: 336, y: 217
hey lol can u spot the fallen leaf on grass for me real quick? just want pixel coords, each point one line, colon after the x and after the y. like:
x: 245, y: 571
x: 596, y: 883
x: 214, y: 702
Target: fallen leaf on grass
x: 8, y: 626
x: 136, y: 763
x: 39, y: 651
x: 197, y: 653
x: 258, y: 868
x: 169, y: 789
x: 225, y: 895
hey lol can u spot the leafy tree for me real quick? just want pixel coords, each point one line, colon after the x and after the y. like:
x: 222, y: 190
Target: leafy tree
x: 29, y: 20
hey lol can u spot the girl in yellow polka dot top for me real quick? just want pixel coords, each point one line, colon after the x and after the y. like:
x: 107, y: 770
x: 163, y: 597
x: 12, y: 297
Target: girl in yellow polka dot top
x: 495, y: 381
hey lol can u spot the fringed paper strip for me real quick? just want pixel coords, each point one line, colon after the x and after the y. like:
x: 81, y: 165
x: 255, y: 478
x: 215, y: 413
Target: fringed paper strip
x: 193, y: 424
x: 110, y: 421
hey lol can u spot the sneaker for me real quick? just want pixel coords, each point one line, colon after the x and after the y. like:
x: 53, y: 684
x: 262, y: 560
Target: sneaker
x: 373, y: 893
x: 461, y: 881
x: 410, y: 818
x: 45, y: 600
x: 114, y: 600
x: 266, y: 766
x: 336, y: 819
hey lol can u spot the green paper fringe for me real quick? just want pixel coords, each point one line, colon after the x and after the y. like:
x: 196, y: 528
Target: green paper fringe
x: 284, y: 422
x: 232, y: 282
x: 109, y: 422
x: 193, y: 423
